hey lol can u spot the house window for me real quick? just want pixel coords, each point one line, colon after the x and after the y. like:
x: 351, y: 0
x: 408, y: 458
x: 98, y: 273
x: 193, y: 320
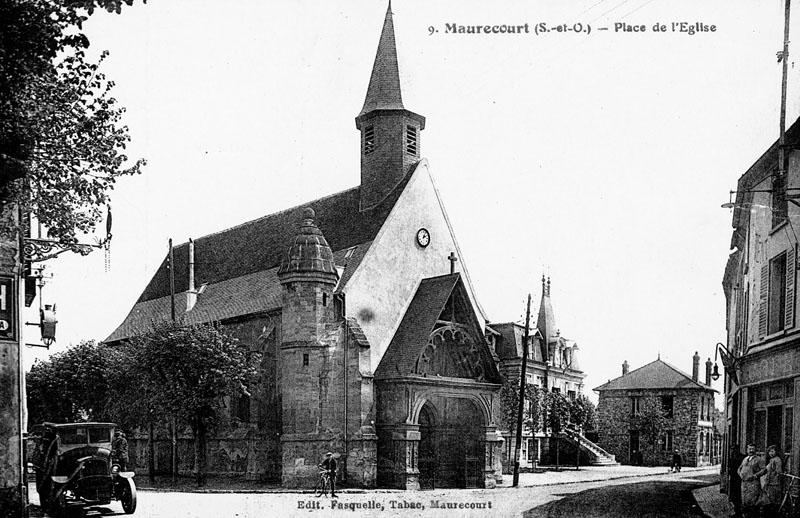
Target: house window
x: 369, y: 140
x: 556, y: 390
x: 571, y: 395
x: 777, y: 294
x: 411, y: 140
x: 305, y: 359
x: 666, y: 405
x: 702, y: 408
x: 634, y: 405
x: 666, y: 441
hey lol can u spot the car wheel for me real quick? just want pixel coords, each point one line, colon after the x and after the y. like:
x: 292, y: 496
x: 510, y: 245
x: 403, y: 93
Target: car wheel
x: 128, y: 497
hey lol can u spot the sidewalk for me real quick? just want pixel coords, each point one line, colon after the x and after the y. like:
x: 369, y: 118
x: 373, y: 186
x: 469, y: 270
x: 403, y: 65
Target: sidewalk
x: 713, y: 503
x: 568, y: 475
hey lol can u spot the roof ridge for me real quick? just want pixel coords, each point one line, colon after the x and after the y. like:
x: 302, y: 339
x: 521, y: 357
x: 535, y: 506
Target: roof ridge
x: 271, y: 214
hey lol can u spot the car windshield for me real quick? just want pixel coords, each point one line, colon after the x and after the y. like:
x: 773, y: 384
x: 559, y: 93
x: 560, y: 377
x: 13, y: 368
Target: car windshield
x: 100, y: 434
x: 73, y: 435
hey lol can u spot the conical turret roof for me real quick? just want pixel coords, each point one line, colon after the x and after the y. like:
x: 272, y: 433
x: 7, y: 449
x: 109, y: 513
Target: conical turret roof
x: 546, y: 321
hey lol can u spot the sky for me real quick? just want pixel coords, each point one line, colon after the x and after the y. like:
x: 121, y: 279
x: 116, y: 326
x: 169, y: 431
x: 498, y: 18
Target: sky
x: 599, y: 159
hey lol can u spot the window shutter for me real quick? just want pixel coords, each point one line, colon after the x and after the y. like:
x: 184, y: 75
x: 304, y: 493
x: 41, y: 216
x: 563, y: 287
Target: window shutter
x: 790, y: 277
x: 762, y: 304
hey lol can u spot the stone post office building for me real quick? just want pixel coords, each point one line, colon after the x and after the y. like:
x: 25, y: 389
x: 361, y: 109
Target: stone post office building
x: 360, y: 302
x: 688, y: 404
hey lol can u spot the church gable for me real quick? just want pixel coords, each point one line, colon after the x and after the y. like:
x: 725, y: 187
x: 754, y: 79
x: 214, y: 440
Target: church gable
x: 439, y: 336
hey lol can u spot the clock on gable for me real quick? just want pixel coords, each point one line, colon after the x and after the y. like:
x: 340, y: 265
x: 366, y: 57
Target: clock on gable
x: 423, y: 237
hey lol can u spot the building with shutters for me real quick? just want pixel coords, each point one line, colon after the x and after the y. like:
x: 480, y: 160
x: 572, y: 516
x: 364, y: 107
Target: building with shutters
x: 688, y: 406
x: 762, y: 370
x: 361, y: 305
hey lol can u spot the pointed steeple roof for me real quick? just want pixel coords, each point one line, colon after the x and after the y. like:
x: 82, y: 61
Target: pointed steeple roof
x: 383, y: 92
x: 546, y: 322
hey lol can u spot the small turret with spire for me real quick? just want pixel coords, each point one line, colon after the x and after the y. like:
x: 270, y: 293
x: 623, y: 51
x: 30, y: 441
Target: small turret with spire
x: 390, y: 134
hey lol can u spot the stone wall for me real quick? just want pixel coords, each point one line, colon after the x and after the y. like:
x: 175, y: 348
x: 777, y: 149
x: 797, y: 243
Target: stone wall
x: 11, y: 498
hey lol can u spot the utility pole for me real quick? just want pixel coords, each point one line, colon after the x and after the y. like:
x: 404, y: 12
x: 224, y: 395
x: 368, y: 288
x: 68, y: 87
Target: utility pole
x: 522, y: 375
x: 781, y: 182
x: 785, y: 62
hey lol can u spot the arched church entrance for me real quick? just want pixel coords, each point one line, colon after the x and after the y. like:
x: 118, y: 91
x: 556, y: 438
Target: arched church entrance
x: 451, y: 454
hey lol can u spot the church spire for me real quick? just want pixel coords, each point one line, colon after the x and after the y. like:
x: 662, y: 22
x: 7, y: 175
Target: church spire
x: 383, y: 92
x: 390, y: 134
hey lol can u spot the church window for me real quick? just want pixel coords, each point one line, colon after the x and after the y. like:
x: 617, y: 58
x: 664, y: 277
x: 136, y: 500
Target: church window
x: 324, y: 299
x: 411, y: 140
x: 369, y: 139
x: 305, y: 359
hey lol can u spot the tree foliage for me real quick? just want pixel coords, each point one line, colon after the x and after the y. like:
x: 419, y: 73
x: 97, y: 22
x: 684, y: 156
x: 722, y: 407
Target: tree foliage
x: 74, y: 385
x: 583, y: 413
x: 173, y: 371
x: 185, y: 371
x: 532, y: 412
x: 60, y: 127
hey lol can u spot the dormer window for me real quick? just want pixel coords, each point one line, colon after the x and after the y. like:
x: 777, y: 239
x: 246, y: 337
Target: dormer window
x: 411, y: 140
x: 369, y: 139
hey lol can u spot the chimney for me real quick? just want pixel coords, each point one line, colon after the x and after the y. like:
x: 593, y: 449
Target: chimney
x: 695, y: 367
x: 625, y: 367
x: 191, y: 293
x: 708, y: 372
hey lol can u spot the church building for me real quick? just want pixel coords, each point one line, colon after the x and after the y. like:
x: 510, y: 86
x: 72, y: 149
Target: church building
x: 371, y: 336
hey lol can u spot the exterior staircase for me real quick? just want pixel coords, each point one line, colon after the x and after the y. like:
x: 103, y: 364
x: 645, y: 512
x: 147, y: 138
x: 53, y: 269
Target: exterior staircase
x: 600, y: 456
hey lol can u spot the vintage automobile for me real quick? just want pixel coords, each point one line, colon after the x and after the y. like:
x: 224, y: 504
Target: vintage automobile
x: 75, y: 467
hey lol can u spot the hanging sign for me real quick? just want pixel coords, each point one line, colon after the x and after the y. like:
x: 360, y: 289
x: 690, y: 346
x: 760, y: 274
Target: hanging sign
x: 8, y: 303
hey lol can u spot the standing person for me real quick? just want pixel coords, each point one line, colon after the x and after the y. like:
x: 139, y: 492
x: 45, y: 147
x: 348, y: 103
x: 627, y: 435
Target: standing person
x: 677, y: 461
x: 329, y: 465
x: 735, y: 459
x: 772, y: 488
x: 119, y: 449
x: 751, y: 485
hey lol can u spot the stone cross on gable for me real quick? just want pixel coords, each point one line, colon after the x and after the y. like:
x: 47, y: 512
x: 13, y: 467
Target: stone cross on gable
x: 452, y: 258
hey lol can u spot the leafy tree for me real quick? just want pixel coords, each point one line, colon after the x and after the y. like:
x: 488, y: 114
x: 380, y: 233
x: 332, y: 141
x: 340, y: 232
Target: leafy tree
x: 583, y: 413
x: 557, y: 416
x: 60, y: 127
x: 74, y: 385
x: 532, y: 413
x: 651, y: 420
x: 185, y: 371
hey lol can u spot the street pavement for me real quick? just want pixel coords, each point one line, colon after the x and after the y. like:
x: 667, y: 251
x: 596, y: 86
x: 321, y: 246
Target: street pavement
x: 535, y: 491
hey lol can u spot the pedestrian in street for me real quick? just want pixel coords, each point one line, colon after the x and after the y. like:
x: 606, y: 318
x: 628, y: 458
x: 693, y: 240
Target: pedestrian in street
x: 119, y: 449
x: 735, y: 459
x: 751, y: 485
x: 328, y: 464
x: 772, y: 482
x: 677, y: 461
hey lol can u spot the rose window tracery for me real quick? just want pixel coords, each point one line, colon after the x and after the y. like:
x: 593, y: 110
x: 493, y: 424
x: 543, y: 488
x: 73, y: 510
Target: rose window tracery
x: 452, y: 352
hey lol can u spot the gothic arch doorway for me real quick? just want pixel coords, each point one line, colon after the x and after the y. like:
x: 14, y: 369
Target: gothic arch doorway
x: 451, y: 451
x: 427, y: 447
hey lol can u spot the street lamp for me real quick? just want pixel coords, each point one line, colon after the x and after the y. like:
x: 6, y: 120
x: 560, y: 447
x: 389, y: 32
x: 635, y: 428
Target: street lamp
x: 729, y: 362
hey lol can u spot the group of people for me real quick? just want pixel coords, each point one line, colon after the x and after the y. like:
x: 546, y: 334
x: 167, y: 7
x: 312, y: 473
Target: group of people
x: 756, y: 484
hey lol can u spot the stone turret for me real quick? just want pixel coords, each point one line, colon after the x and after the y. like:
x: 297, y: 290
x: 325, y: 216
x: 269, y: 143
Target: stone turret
x: 308, y: 321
